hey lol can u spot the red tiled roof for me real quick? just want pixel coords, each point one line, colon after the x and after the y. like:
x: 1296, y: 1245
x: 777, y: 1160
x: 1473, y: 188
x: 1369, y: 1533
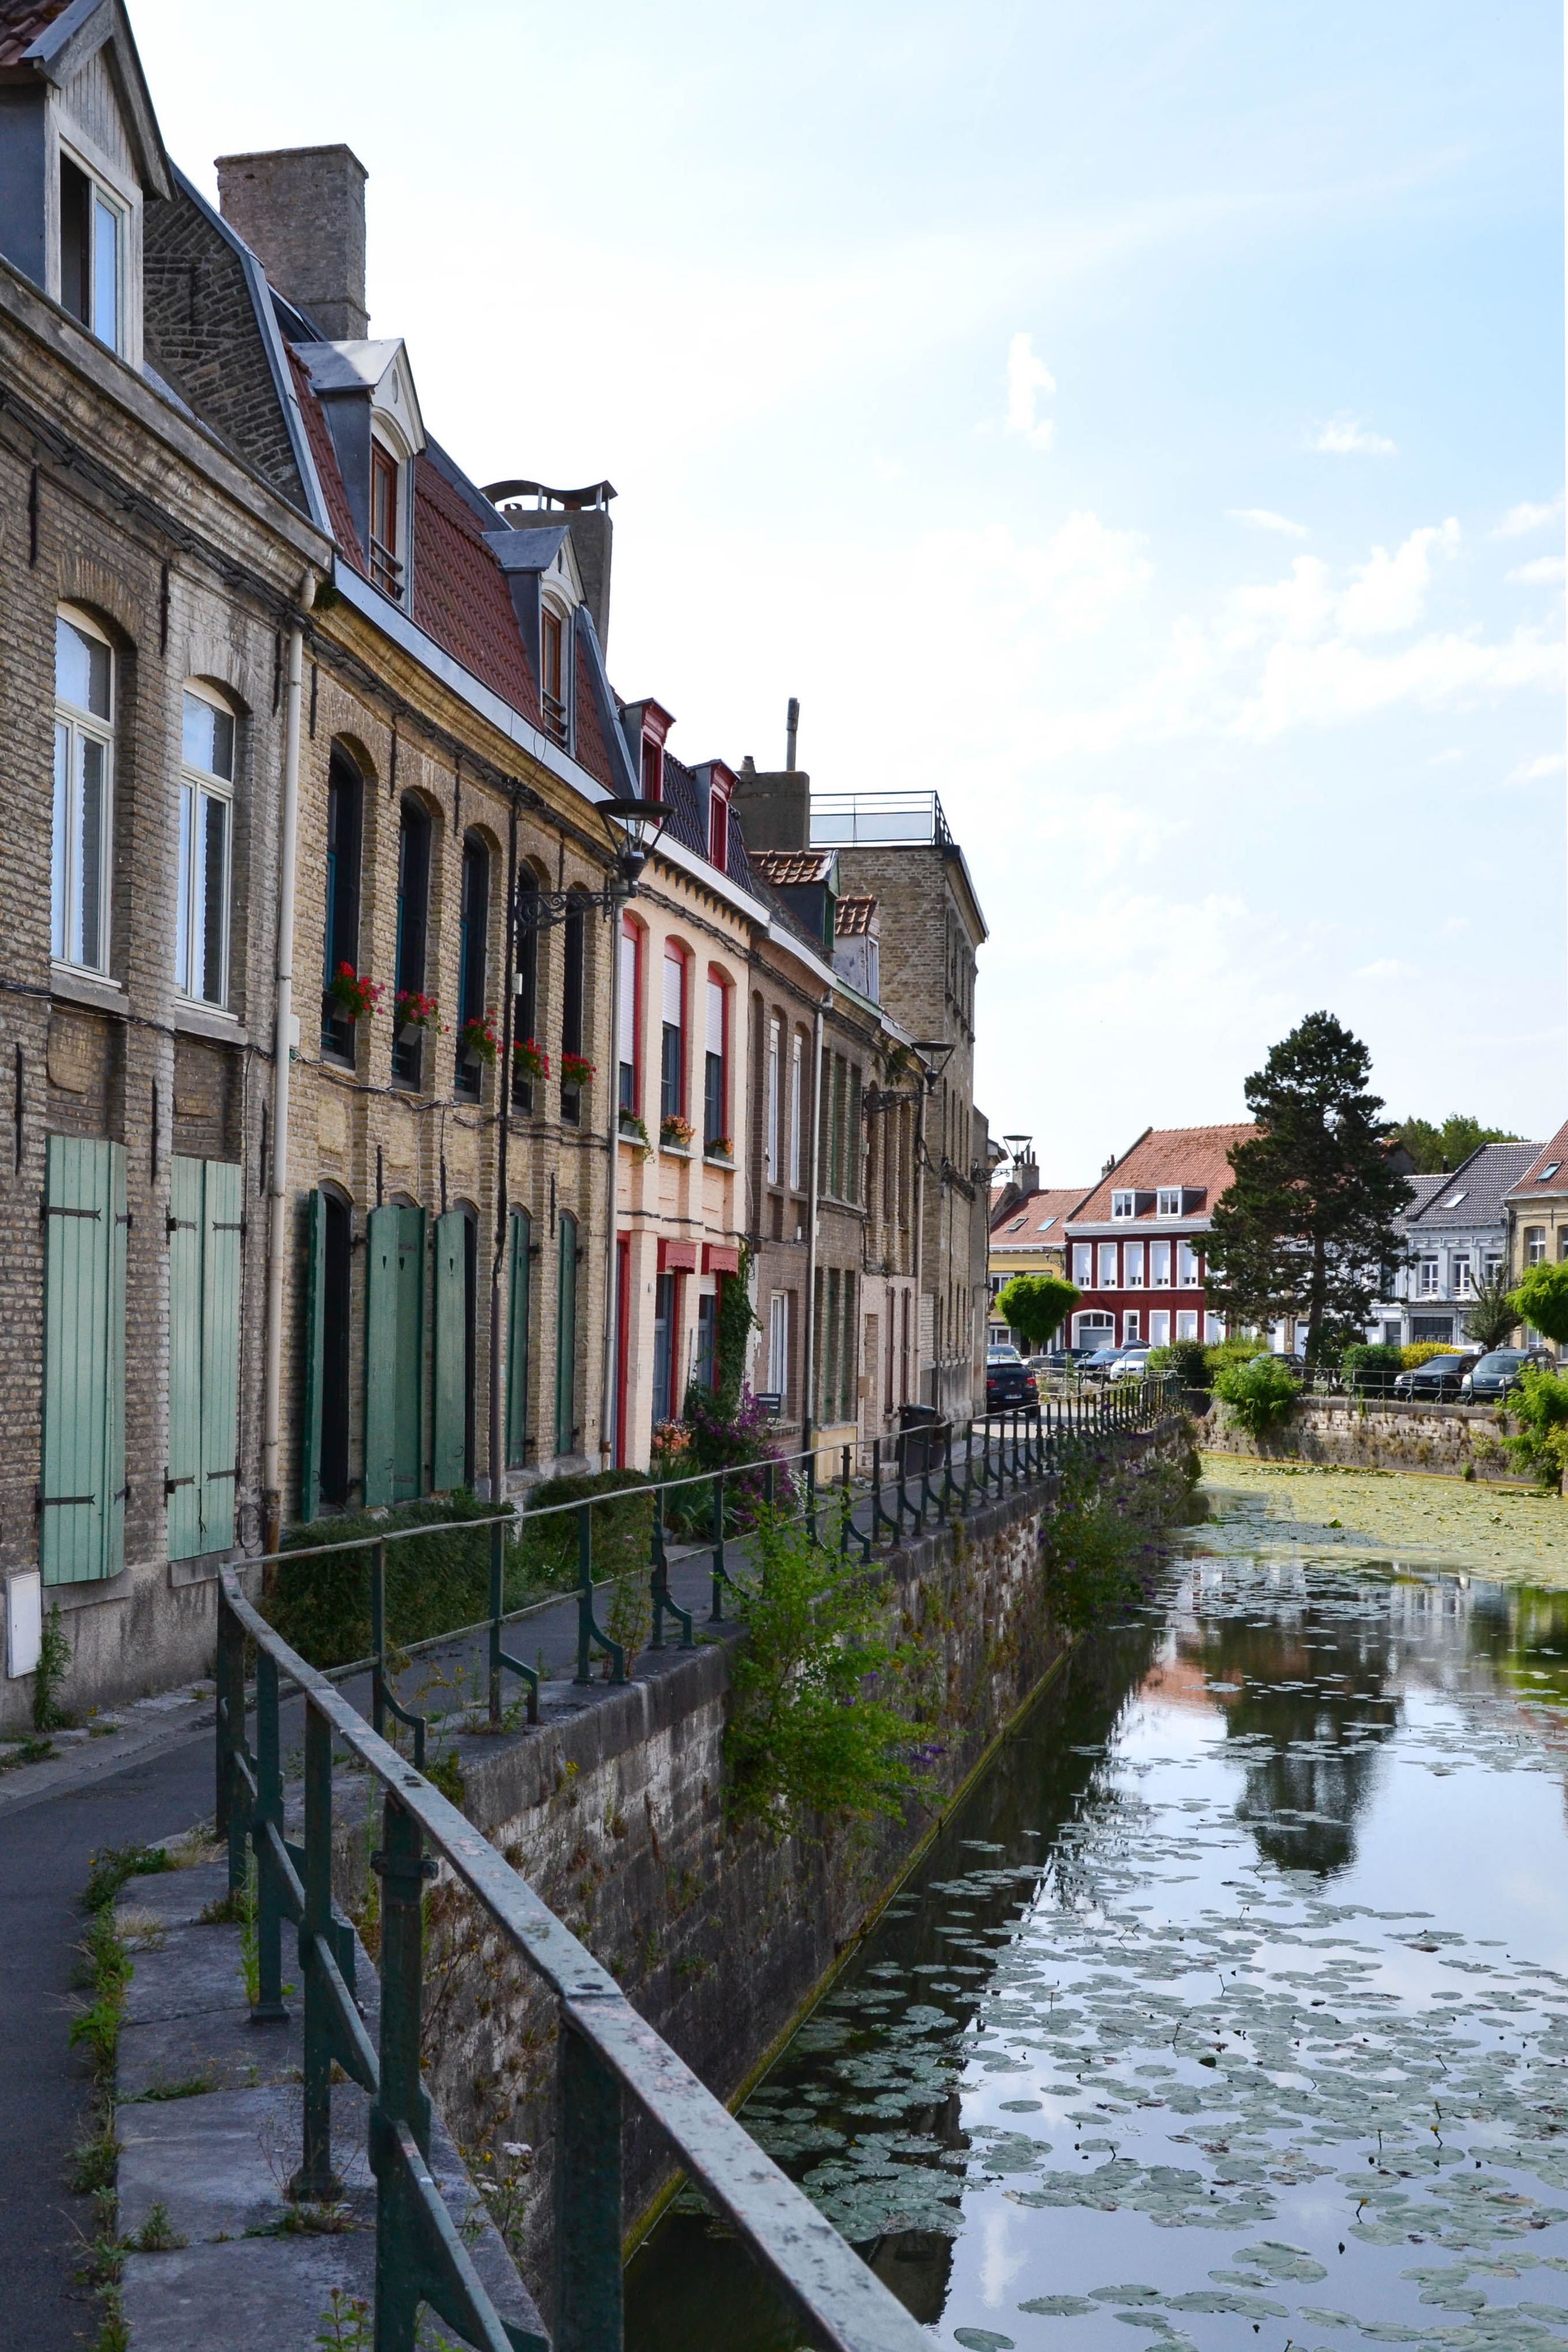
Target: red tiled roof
x: 1037, y: 1221
x: 1553, y: 1154
x: 21, y: 21
x: 1197, y: 1158
x: 784, y: 866
x: 853, y: 916
x: 460, y: 595
x: 325, y: 458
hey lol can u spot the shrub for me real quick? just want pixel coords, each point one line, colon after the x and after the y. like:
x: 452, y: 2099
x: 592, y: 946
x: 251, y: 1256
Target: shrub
x: 1370, y: 1367
x: 1421, y: 1351
x: 322, y: 1607
x: 546, y: 1551
x: 1186, y: 1359
x: 1541, y: 1299
x: 1539, y: 1403
x: 807, y: 1737
x: 1238, y: 1351
x: 1261, y: 1393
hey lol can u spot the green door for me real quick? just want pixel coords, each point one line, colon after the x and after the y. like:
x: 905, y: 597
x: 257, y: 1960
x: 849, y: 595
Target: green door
x: 204, y: 1355
x: 517, y: 1339
x: 566, y: 1336
x: 394, y: 1355
x: 82, y: 1481
x: 449, y: 1432
x: 314, y: 1354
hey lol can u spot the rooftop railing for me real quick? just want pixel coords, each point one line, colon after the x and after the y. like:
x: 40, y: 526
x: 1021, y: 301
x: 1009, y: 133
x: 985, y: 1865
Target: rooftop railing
x: 605, y: 2049
x: 868, y: 818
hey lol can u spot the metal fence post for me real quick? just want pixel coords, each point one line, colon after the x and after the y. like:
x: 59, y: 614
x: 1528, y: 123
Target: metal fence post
x: 721, y: 1572
x: 315, y: 2181
x: 661, y: 1595
x: 403, y: 1868
x: 588, y: 2223
x: 585, y: 1591
x: 497, y: 1597
x: 269, y: 2009
x: 233, y: 1808
x: 378, y: 1636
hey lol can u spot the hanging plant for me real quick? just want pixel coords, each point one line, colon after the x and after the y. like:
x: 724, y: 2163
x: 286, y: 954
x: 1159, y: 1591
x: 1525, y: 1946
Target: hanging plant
x: 677, y: 1131
x: 576, y: 1071
x: 718, y: 1148
x: 528, y: 1061
x: 354, y: 994
x: 411, y: 1009
x: 477, y: 1039
x: 634, y: 1132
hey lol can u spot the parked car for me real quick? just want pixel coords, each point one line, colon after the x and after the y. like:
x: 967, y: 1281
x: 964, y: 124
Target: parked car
x: 1440, y: 1377
x: 1096, y: 1364
x: 1132, y: 1360
x: 1497, y: 1372
x: 1056, y: 1360
x: 1008, y: 1380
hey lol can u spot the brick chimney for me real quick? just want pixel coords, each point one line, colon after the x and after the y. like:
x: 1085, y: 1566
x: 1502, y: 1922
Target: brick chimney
x: 301, y: 212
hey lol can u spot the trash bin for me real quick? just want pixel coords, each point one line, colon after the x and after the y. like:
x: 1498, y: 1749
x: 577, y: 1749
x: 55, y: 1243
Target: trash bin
x: 923, y: 1436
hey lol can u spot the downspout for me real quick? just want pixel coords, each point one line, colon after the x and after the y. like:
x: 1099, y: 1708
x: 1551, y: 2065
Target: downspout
x: 920, y: 1231
x: 808, y: 1378
x: 613, y: 1100
x: 504, y: 1205
x: 282, y: 1047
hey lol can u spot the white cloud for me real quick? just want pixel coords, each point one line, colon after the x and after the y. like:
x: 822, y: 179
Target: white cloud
x: 1544, y: 572
x: 1387, y: 968
x: 1028, y: 377
x: 1446, y: 758
x: 1347, y: 437
x: 1525, y: 518
x: 1529, y: 772
x: 1389, y: 592
x: 1264, y: 518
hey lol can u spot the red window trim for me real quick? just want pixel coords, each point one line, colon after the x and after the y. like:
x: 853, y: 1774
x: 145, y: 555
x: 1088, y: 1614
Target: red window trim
x: 632, y: 929
x: 676, y: 953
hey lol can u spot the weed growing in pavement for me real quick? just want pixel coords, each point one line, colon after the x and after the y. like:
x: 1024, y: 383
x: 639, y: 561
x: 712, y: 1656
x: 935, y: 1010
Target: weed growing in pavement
x: 49, y: 1674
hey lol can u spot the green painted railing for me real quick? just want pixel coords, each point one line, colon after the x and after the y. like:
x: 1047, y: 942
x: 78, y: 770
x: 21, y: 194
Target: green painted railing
x: 605, y: 2049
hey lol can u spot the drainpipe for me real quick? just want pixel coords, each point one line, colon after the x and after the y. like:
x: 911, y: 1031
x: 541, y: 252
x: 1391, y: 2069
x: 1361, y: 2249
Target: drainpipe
x: 282, y: 1047
x: 919, y: 1229
x: 504, y: 1205
x: 809, y: 1372
x: 612, y: 1147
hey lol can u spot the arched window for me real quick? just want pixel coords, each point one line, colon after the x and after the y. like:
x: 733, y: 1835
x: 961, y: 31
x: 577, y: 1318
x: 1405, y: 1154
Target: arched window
x: 84, y: 780
x: 345, y: 796
x: 566, y: 1335
x: 672, y: 1035
x: 206, y: 839
x: 473, y: 930
x: 413, y: 914
x: 517, y: 1352
x: 525, y: 1020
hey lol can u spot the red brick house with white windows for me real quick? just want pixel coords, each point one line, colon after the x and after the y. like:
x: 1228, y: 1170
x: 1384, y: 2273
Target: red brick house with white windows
x: 1135, y: 1242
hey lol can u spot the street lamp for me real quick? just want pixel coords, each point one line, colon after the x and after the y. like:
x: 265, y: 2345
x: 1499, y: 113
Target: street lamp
x: 641, y: 823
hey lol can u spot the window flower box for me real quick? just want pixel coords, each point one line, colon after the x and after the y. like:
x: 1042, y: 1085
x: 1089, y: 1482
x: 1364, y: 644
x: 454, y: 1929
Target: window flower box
x: 412, y: 1010
x: 355, y: 995
x: 719, y: 1146
x: 634, y: 1132
x: 477, y: 1040
x: 576, y: 1071
x: 528, y: 1061
x: 676, y: 1133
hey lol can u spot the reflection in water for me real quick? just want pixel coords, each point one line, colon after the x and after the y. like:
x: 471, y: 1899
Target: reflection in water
x: 1234, y: 2002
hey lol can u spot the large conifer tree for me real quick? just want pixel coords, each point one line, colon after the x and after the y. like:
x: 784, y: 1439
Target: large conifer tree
x: 1307, y: 1226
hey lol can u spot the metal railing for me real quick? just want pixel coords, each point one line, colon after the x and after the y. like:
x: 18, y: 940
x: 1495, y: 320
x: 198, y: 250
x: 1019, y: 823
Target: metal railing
x: 872, y: 817
x: 605, y: 2049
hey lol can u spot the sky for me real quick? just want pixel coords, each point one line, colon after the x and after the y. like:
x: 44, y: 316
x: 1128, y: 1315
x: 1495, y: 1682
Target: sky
x: 1141, y: 425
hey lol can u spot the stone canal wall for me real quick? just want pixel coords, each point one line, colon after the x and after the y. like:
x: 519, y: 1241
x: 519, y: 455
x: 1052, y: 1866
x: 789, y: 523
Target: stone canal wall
x: 614, y: 1811
x: 1453, y: 1440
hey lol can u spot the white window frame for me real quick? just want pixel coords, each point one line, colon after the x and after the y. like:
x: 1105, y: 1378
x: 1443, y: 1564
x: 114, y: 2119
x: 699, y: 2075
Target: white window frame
x: 1130, y: 1327
x: 563, y: 614
x: 197, y: 784
x: 1083, y: 1265
x: 1132, y: 1266
x: 1186, y: 1322
x: 1535, y: 1245
x: 796, y: 1069
x: 107, y: 189
x: 74, y: 728
x: 1429, y: 1286
x: 1215, y: 1329
x: 1106, y: 1275
x: 1168, y: 1201
x: 778, y: 1343
x: 1187, y: 1276
x: 1094, y: 1321
x: 1160, y: 1256
x: 771, y: 1144
x: 1459, y: 1275
x: 1159, y: 1327
x: 1123, y: 1204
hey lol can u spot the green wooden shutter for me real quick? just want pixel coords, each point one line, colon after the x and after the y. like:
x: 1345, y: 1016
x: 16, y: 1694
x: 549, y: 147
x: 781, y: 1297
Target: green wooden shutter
x: 408, y: 1444
x: 565, y: 1334
x: 82, y: 1481
x: 221, y: 1220
x: 382, y: 1229
x: 449, y: 1446
x: 183, y: 1481
x: 517, y: 1339
x: 853, y: 1140
x: 315, y: 1354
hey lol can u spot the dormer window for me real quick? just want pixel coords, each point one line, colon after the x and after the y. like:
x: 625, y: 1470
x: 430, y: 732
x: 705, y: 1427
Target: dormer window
x: 1168, y: 1201
x: 385, y: 521
x: 719, y: 825
x: 652, y: 769
x: 1123, y: 1204
x: 92, y: 254
x: 554, y: 673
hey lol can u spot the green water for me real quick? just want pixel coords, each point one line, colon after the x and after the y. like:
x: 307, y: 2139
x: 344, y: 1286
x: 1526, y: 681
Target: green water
x: 1231, y: 2008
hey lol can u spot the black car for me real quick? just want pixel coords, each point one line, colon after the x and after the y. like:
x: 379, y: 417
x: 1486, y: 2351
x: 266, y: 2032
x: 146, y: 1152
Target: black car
x: 1439, y: 1377
x: 1008, y: 1380
x: 1497, y: 1372
x: 1096, y: 1364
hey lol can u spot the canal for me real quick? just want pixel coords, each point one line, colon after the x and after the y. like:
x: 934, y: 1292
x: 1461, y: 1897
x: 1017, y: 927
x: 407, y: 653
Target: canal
x: 1231, y: 2007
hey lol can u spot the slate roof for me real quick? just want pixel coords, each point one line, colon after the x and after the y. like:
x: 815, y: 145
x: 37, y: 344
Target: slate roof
x: 1475, y: 1193
x: 21, y: 21
x: 1425, y: 1190
x: 1197, y: 1158
x: 854, y: 916
x: 1554, y: 1155
x: 684, y: 822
